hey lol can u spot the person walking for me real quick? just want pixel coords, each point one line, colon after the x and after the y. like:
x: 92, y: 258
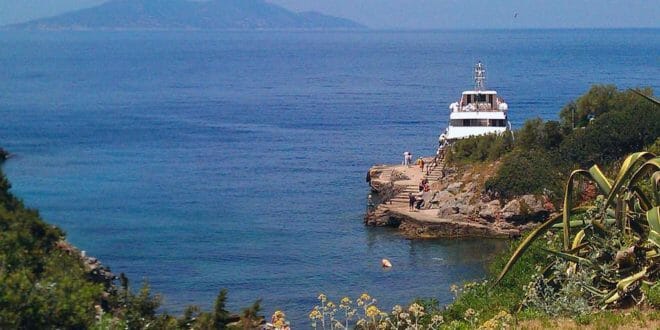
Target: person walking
x: 411, y: 201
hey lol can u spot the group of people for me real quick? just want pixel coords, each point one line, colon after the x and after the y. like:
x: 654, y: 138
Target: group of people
x: 407, y: 158
x: 416, y: 201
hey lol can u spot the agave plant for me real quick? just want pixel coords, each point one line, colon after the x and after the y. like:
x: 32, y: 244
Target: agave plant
x: 615, y: 240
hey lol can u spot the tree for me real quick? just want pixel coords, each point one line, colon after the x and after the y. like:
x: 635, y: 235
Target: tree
x: 220, y: 314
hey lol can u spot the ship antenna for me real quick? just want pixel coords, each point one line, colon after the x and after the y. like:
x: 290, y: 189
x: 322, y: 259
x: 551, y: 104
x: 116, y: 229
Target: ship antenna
x: 479, y: 76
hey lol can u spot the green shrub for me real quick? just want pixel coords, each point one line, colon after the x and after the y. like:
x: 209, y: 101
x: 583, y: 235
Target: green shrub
x: 614, y: 134
x: 480, y: 148
x: 526, y: 172
x: 537, y: 134
x: 487, y: 301
x: 654, y: 295
x: 609, y: 124
x: 655, y: 147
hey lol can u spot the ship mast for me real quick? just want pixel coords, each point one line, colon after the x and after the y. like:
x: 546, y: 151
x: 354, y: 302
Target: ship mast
x: 479, y: 76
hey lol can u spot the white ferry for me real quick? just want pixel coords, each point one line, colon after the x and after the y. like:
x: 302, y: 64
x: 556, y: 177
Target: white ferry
x: 478, y: 112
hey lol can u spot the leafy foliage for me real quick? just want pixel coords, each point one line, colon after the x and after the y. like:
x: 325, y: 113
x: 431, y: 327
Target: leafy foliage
x: 608, y: 125
x: 525, y: 172
x: 40, y: 285
x: 605, y: 262
x: 480, y: 148
x: 43, y: 286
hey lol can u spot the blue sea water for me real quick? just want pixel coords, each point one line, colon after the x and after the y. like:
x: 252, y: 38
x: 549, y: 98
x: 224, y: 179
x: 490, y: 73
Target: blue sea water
x: 208, y: 160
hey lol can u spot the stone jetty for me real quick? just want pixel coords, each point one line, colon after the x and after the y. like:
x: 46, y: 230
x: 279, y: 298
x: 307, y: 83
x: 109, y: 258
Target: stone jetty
x: 455, y: 206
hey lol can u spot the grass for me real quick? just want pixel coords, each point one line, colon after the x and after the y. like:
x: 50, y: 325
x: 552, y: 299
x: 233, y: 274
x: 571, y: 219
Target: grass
x: 487, y: 300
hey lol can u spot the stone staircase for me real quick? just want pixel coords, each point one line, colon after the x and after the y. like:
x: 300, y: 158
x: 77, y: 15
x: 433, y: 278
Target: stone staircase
x: 382, y: 215
x: 401, y: 199
x: 436, y: 172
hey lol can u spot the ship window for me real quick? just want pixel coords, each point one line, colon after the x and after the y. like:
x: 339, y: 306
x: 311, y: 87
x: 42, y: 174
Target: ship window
x: 481, y: 97
x: 497, y: 122
x: 466, y: 122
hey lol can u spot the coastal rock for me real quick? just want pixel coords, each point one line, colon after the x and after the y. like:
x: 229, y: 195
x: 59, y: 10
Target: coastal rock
x: 524, y: 208
x: 445, y: 212
x: 470, y: 187
x: 96, y: 271
x: 489, y: 211
x: 455, y: 187
x: 463, y: 210
x: 445, y: 197
x: 468, y: 209
x: 413, y: 228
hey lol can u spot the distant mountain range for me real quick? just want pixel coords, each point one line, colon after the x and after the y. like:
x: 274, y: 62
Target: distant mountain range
x: 188, y: 15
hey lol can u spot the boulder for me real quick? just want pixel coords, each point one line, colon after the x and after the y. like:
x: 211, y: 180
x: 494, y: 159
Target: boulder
x: 445, y: 211
x: 471, y: 187
x: 488, y: 211
x: 455, y: 187
x: 524, y: 208
x: 445, y: 197
x: 468, y: 209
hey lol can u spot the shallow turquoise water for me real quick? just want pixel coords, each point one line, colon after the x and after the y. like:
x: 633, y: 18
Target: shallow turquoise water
x: 208, y: 160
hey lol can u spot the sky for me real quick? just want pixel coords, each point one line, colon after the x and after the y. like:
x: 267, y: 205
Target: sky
x: 425, y: 14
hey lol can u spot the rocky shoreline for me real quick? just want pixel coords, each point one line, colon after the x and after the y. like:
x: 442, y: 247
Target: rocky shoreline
x: 459, y: 209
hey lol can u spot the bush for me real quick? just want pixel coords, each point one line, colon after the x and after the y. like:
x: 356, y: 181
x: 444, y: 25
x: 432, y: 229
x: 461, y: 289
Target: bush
x: 526, y: 172
x: 480, y: 148
x: 476, y: 302
x: 628, y: 128
x: 536, y: 134
x: 609, y: 124
x: 654, y: 295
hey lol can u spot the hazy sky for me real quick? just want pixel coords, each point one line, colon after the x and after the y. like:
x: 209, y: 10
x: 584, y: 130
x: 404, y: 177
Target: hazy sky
x: 425, y: 14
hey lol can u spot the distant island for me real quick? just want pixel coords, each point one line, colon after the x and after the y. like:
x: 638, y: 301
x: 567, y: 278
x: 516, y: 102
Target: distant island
x: 188, y: 15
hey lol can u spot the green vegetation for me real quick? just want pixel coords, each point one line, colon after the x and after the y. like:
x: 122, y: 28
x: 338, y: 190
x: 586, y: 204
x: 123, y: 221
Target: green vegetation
x: 596, y: 256
x: 596, y: 128
x: 40, y: 285
x: 601, y: 253
x: 604, y: 263
x: 46, y: 286
x: 481, y: 148
x: 545, y: 177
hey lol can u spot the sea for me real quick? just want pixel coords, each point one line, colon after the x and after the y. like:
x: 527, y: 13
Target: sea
x: 196, y: 161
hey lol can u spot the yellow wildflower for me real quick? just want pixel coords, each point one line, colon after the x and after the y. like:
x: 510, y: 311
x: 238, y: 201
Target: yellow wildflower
x: 315, y: 314
x: 416, y: 309
x: 469, y: 313
x: 372, y: 311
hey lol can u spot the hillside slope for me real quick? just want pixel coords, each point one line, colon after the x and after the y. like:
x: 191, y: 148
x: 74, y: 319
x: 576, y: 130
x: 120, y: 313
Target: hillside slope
x: 187, y: 15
